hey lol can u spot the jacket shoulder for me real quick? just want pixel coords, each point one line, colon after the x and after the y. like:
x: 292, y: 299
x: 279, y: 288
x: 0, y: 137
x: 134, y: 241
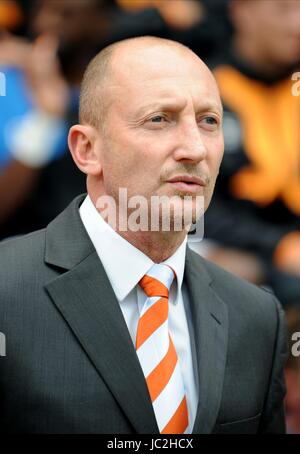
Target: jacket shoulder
x: 22, y: 254
x: 239, y: 294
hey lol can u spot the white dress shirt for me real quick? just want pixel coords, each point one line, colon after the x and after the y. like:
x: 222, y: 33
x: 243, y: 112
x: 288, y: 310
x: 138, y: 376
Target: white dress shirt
x: 125, y: 265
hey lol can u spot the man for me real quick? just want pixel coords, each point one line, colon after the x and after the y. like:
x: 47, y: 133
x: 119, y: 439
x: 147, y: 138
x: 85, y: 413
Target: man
x: 112, y: 330
x: 257, y: 195
x: 43, y: 77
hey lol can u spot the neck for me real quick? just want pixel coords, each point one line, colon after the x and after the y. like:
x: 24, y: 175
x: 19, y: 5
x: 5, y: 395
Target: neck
x: 158, y: 246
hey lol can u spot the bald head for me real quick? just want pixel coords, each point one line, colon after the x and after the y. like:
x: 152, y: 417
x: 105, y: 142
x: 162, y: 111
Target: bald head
x: 124, y: 58
x: 162, y: 117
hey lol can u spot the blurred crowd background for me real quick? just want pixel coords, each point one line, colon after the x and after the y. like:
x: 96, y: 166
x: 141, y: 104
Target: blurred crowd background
x: 252, y: 227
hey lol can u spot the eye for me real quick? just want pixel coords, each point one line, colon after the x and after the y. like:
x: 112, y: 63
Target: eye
x: 210, y: 123
x: 211, y: 120
x: 157, y: 122
x: 157, y: 119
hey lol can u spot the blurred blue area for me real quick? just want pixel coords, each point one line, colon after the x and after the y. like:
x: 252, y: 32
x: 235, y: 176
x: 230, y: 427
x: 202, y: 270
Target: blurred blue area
x: 13, y: 107
x: 16, y: 103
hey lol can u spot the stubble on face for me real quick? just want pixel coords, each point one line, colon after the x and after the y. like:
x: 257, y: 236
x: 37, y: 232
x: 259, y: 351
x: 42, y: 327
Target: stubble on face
x: 143, y: 160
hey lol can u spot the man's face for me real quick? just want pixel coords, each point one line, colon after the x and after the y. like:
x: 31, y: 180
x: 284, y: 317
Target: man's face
x: 71, y: 21
x: 272, y: 26
x: 164, y: 122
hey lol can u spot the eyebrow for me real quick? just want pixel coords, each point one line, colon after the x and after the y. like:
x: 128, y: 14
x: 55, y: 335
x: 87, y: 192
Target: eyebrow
x: 177, y: 105
x: 168, y: 105
x: 211, y: 105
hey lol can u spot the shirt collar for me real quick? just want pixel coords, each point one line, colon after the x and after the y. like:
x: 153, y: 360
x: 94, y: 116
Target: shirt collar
x: 124, y: 264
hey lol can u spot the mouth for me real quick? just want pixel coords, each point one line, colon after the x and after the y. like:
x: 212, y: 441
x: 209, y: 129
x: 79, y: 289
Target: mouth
x: 187, y: 183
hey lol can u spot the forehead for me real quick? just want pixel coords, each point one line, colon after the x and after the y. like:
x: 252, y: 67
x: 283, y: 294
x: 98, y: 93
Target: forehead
x: 162, y: 75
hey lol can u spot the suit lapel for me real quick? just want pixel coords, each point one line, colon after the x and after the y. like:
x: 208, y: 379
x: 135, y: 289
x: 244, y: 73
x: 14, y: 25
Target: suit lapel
x: 210, y: 316
x: 84, y: 297
x: 86, y: 300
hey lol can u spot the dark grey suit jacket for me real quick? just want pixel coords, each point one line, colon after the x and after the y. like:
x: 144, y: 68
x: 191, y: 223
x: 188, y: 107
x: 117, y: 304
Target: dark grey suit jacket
x: 70, y: 364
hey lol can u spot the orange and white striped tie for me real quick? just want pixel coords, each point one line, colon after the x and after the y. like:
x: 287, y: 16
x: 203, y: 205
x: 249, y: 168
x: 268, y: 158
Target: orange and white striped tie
x: 157, y: 354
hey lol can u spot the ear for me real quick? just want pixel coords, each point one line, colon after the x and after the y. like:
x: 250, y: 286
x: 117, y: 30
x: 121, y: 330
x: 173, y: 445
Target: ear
x: 85, y: 146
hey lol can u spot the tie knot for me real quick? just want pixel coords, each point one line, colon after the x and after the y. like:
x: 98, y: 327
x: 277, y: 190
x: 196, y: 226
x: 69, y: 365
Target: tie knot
x: 157, y: 281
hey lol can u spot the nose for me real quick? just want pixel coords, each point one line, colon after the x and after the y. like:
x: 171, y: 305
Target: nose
x: 190, y: 144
